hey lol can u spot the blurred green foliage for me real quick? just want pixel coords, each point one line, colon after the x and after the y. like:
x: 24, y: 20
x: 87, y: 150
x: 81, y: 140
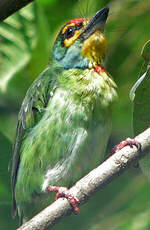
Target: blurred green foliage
x: 26, y: 39
x: 141, y: 95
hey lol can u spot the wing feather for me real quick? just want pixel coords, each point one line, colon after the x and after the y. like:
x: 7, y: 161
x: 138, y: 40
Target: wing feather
x: 31, y: 112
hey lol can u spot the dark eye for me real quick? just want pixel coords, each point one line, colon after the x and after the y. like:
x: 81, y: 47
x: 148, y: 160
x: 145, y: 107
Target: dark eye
x: 69, y: 32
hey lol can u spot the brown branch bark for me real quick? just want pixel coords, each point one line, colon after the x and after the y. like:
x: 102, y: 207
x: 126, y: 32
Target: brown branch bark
x: 87, y: 186
x: 8, y: 7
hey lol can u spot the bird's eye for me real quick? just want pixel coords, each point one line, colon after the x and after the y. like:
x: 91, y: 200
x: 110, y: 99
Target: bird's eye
x: 69, y: 32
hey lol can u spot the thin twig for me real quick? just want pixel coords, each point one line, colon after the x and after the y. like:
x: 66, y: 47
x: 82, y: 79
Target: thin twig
x: 98, y: 178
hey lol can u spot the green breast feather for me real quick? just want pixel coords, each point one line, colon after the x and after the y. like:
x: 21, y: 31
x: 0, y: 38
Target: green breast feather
x: 59, y: 127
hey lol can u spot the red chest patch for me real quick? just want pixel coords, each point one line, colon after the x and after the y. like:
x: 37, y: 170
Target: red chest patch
x: 99, y: 69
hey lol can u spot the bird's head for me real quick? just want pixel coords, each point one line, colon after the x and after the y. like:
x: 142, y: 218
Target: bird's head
x: 81, y: 42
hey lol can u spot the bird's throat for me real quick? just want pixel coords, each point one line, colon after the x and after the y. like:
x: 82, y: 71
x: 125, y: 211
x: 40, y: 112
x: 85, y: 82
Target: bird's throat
x: 94, y: 48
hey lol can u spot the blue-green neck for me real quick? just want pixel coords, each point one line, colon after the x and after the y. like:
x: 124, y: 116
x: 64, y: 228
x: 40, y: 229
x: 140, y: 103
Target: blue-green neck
x: 70, y: 57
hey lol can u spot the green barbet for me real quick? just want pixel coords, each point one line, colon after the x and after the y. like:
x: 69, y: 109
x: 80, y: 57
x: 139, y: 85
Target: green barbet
x: 65, y: 119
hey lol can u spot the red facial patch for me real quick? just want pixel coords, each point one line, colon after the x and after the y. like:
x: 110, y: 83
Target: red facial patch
x: 76, y: 21
x: 99, y: 69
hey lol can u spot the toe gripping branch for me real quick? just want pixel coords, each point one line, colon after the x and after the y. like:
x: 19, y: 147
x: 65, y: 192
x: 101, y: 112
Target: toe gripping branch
x: 128, y: 142
x: 63, y: 192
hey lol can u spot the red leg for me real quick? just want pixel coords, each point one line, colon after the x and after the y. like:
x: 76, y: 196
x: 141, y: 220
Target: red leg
x: 64, y: 192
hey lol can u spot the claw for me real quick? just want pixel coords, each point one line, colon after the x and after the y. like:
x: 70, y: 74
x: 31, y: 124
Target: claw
x: 131, y: 143
x: 64, y: 192
x: 128, y: 141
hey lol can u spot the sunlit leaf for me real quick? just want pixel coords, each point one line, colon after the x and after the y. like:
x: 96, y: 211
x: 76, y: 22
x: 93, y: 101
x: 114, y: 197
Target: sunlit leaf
x: 146, y: 51
x: 17, y: 38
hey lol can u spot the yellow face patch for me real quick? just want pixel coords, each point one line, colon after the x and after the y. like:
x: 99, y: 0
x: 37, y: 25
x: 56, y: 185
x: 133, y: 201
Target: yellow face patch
x: 68, y: 42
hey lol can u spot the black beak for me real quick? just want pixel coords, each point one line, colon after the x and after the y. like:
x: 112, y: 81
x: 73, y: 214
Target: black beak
x: 97, y: 22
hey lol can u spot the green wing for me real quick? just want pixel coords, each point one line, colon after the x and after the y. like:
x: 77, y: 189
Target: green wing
x: 31, y: 112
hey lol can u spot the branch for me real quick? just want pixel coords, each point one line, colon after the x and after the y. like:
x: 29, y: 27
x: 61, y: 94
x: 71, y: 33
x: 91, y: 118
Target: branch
x: 8, y: 7
x: 98, y: 178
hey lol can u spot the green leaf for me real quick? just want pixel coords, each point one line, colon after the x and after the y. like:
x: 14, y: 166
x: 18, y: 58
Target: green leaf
x: 135, y: 86
x: 17, y: 38
x: 141, y: 113
x: 140, y: 94
x: 146, y: 52
x: 24, y: 42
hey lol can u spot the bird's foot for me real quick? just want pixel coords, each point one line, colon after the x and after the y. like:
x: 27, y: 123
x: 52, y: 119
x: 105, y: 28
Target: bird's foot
x: 127, y: 142
x: 64, y: 192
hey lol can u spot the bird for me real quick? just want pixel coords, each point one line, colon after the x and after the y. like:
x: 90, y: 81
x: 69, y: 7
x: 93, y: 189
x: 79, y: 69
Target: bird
x: 65, y: 119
